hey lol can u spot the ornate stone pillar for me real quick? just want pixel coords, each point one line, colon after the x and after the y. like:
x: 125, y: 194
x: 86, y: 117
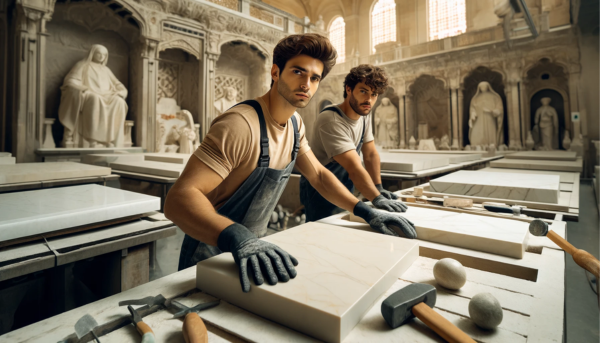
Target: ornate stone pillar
x: 459, y: 109
x: 513, y: 107
x: 454, y: 100
x: 401, y: 121
x: 574, y: 101
x: 145, y: 94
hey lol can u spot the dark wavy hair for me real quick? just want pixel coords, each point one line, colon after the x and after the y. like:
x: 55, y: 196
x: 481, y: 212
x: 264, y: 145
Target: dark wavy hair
x: 371, y: 75
x: 310, y: 44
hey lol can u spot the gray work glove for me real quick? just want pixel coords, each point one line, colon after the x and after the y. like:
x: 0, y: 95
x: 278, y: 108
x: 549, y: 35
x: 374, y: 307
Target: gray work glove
x: 251, y: 253
x: 389, y: 205
x: 386, y: 193
x: 389, y: 224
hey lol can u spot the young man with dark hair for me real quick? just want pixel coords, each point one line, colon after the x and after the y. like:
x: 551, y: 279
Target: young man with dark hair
x: 225, y: 196
x: 341, y: 132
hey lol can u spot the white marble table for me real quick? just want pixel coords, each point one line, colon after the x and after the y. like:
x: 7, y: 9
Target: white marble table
x: 567, y: 166
x: 556, y: 155
x: 75, y: 154
x: 168, y: 157
x: 150, y: 167
x: 411, y: 162
x: 106, y: 159
x: 37, y: 212
x: 340, y: 274
x: 527, y: 187
x: 32, y: 172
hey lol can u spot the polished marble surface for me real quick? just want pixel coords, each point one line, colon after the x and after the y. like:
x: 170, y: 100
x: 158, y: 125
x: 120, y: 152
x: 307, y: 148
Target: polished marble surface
x: 168, y: 157
x: 527, y: 187
x: 341, y: 273
x: 488, y: 234
x: 451, y: 156
x: 150, y: 167
x: 106, y: 159
x: 557, y: 155
x: 7, y: 160
x: 568, y: 166
x: 37, y: 212
x: 31, y: 172
x: 411, y: 162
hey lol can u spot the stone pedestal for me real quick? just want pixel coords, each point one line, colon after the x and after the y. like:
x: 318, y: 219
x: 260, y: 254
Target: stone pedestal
x: 48, y: 138
x: 128, y: 127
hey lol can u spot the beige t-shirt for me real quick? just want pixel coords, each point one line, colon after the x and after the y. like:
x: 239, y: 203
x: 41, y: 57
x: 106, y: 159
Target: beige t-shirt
x: 232, y: 147
x: 335, y: 134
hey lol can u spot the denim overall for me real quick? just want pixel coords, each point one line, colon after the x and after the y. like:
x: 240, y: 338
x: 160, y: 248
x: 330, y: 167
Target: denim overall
x: 253, y: 203
x: 315, y: 205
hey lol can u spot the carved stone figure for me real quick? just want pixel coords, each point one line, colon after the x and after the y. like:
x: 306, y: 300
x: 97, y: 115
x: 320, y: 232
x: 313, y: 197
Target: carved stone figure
x: 320, y: 23
x: 227, y: 101
x: 444, y: 143
x: 176, y: 131
x: 386, y: 124
x: 92, y: 106
x: 412, y: 142
x: 485, y: 121
x: 546, y: 121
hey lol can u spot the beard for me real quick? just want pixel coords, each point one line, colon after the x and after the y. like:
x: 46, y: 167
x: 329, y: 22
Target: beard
x: 290, y: 95
x: 356, y: 106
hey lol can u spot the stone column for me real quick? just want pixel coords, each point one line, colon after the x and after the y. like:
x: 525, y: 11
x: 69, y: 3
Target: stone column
x: 48, y: 137
x: 460, y: 109
x: 128, y: 127
x: 145, y: 114
x: 454, y: 96
x: 401, y: 121
x: 577, y: 141
x: 512, y: 104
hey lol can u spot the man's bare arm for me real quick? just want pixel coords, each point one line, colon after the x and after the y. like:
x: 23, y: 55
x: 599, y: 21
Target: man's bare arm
x: 350, y: 160
x: 325, y: 182
x: 187, y: 206
x: 372, y: 161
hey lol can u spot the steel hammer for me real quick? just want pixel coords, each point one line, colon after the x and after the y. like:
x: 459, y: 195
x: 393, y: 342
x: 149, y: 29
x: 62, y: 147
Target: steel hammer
x: 417, y: 300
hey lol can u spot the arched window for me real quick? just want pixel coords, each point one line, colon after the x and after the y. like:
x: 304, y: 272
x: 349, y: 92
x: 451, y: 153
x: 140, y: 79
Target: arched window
x: 337, y: 36
x: 446, y: 18
x: 383, y: 22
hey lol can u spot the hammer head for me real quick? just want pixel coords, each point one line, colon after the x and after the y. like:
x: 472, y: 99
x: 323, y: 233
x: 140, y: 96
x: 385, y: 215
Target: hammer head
x: 397, y: 308
x: 538, y: 227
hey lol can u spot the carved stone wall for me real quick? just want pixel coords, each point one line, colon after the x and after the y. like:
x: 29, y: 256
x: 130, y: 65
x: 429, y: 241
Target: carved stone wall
x: 429, y: 105
x: 178, y: 78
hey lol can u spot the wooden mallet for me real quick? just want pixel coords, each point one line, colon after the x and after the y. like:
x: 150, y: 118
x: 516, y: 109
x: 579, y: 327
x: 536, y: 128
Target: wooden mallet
x: 583, y: 258
x: 417, y: 300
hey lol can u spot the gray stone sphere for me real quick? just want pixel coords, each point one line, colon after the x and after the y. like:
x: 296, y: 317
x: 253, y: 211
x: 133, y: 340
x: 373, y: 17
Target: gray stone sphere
x: 449, y: 273
x: 485, y: 311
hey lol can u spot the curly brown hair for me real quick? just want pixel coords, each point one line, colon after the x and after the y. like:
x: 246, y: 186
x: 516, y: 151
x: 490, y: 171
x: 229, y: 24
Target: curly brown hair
x: 310, y: 44
x: 371, y: 75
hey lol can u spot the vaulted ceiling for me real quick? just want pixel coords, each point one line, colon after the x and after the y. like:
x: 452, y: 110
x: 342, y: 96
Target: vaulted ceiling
x: 313, y: 8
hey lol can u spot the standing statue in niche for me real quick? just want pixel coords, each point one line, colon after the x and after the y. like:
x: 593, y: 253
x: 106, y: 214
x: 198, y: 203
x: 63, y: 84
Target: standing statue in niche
x: 386, y: 124
x: 92, y: 106
x: 485, y: 121
x: 227, y: 101
x: 546, y: 121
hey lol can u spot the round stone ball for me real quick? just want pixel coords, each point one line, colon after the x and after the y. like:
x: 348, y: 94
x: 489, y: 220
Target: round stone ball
x: 485, y: 311
x: 449, y: 273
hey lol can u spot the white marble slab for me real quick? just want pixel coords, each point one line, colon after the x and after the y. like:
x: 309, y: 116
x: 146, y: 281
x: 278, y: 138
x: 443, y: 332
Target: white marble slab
x: 106, y: 159
x: 556, y: 155
x: 569, y: 166
x: 31, y: 172
x: 29, y: 213
x: 567, y: 177
x: 410, y: 162
x: 150, y: 167
x: 341, y: 273
x: 169, y: 158
x: 7, y: 160
x: 488, y: 234
x: 527, y: 187
x: 5, y: 154
x: 452, y: 158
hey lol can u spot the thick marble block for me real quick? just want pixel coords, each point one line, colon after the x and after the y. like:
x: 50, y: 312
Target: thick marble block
x: 569, y: 166
x: 31, y: 172
x: 29, y: 213
x: 106, y: 159
x: 494, y: 235
x: 341, y: 273
x: 556, y: 155
x: 5, y: 154
x: 7, y: 160
x: 169, y: 158
x: 150, y: 167
x: 527, y: 187
x: 410, y: 162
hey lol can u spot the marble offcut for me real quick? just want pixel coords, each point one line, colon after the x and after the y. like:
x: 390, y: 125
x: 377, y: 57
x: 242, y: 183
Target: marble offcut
x: 32, y: 172
x: 150, y: 167
x: 36, y: 212
x: 525, y: 187
x: 411, y: 162
x: 341, y: 273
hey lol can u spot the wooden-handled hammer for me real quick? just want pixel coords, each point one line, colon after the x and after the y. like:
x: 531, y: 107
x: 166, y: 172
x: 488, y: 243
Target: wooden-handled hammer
x: 417, y: 300
x: 583, y: 258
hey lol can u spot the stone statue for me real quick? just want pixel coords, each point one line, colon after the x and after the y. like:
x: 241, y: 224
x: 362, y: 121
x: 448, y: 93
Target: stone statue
x: 485, y: 121
x: 227, y: 101
x: 176, y: 131
x: 444, y: 143
x: 412, y: 142
x: 320, y: 23
x: 546, y: 121
x: 92, y: 106
x: 386, y: 124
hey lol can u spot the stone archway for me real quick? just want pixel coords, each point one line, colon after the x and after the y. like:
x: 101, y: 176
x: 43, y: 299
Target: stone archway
x: 557, y: 102
x: 429, y: 108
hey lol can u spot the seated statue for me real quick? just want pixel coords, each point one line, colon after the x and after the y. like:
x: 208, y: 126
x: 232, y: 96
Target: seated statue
x: 485, y: 120
x: 92, y: 106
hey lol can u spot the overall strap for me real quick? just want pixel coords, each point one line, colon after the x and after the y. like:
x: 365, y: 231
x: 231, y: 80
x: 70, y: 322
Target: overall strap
x: 264, y: 158
x: 334, y: 109
x: 296, y: 138
x: 362, y: 137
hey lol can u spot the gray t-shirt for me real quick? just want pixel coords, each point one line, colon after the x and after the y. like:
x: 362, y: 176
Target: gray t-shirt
x: 334, y: 134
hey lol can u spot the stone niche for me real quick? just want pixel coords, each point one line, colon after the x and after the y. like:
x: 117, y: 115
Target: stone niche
x: 393, y: 130
x: 243, y: 67
x: 179, y: 78
x: 471, y: 82
x: 74, y: 28
x: 428, y: 108
x: 548, y: 80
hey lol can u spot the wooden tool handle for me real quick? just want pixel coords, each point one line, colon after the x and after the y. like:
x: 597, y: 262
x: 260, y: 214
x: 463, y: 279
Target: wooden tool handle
x: 440, y: 325
x: 143, y: 328
x: 583, y: 258
x: 194, y: 330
